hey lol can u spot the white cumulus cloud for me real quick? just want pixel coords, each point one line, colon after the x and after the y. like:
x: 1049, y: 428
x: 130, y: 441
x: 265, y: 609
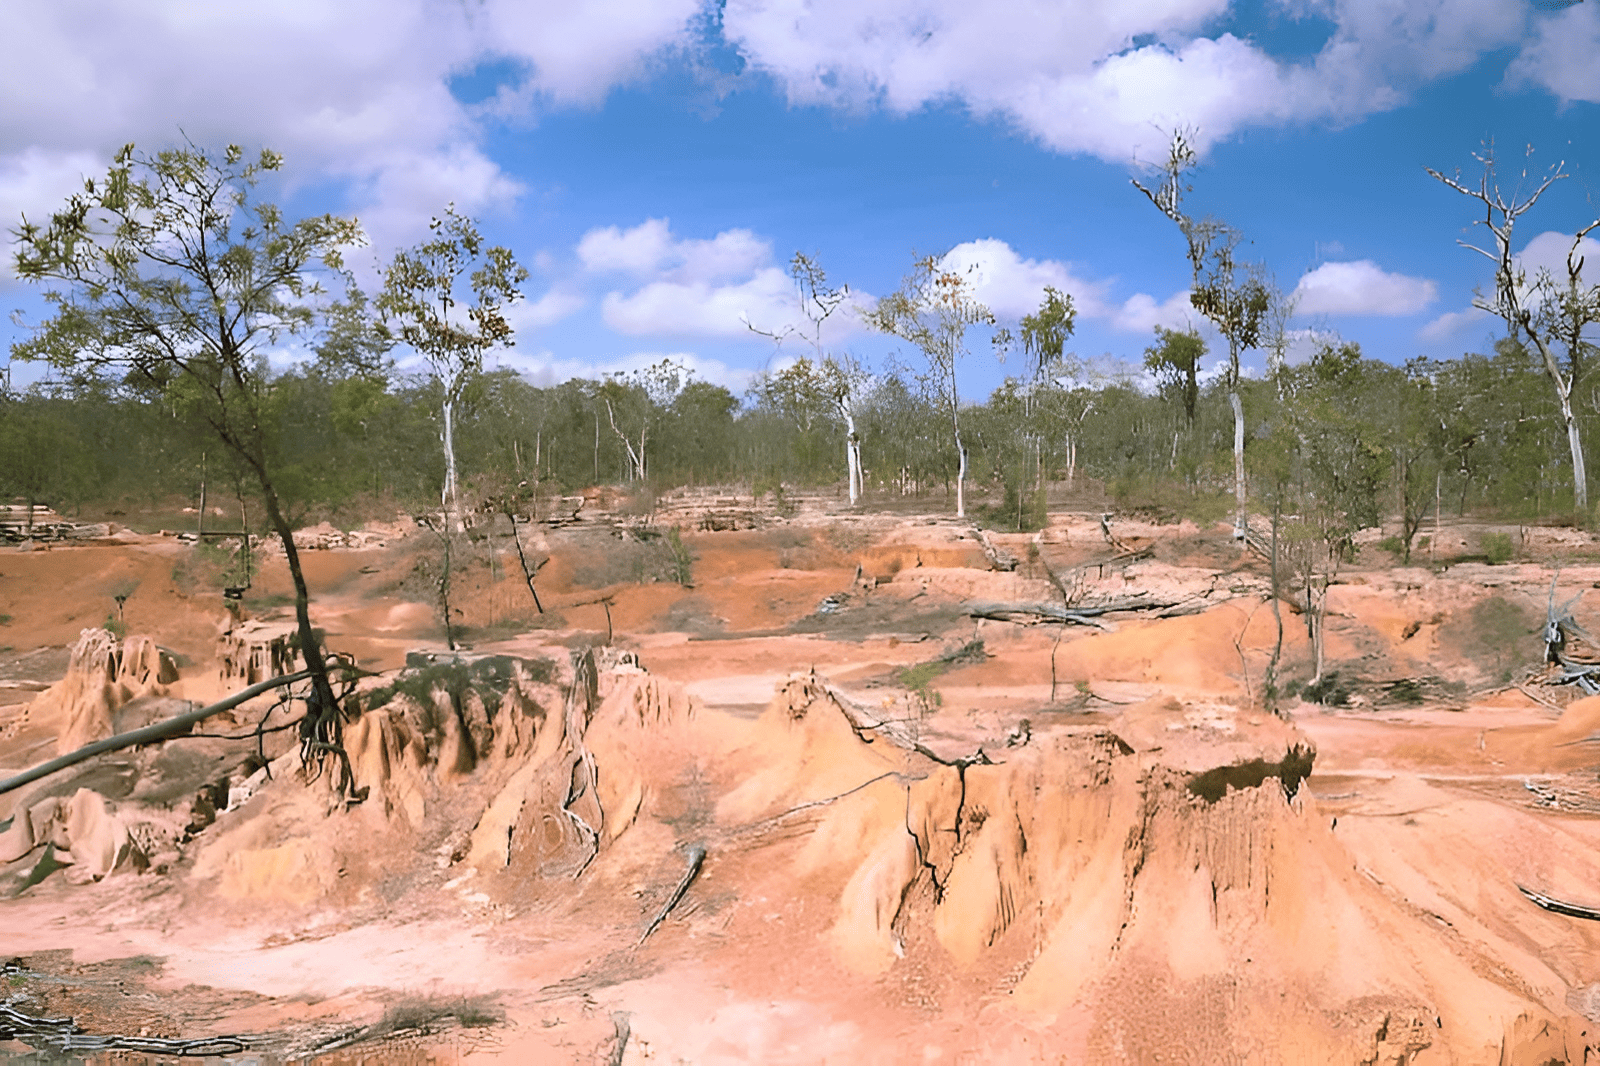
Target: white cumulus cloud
x: 544, y: 368
x: 1361, y: 287
x: 705, y: 287
x: 1451, y: 323
x: 357, y: 93
x: 1563, y: 56
x: 552, y: 307
x: 1012, y: 286
x: 698, y: 308
x: 1108, y: 79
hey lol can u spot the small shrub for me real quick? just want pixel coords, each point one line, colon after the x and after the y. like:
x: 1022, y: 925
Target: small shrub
x: 1394, y: 546
x: 1330, y: 691
x: 919, y: 680
x: 1406, y: 690
x: 1497, y: 548
x: 682, y: 564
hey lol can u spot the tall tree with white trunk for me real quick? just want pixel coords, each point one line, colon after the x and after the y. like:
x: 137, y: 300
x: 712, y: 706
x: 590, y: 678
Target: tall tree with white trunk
x: 1552, y: 314
x: 1237, y: 297
x: 446, y: 299
x: 839, y: 377
x: 933, y: 309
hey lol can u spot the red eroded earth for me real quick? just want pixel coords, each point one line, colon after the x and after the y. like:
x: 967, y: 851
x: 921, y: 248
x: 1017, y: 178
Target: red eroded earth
x: 835, y: 789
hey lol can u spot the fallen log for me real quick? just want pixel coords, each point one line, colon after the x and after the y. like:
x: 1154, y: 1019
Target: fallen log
x: 1029, y: 613
x: 1556, y: 906
x: 1052, y: 612
x: 697, y: 858
x: 150, y: 733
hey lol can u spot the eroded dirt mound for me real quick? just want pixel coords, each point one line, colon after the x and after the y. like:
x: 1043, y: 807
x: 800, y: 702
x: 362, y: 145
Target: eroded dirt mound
x: 104, y: 673
x: 1080, y: 844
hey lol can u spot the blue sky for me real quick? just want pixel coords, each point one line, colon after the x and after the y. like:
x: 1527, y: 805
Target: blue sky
x: 656, y: 162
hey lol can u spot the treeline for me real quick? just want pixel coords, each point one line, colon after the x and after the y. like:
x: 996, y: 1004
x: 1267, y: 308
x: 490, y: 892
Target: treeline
x: 1474, y: 434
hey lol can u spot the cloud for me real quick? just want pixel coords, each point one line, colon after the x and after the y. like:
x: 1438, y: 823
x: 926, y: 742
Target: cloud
x: 35, y: 182
x: 1545, y: 252
x: 355, y: 93
x: 544, y: 369
x: 1548, y: 251
x: 552, y: 307
x: 1451, y: 323
x: 579, y: 51
x: 697, y: 308
x: 1140, y: 313
x: 1362, y: 287
x: 650, y: 249
x: 702, y: 287
x: 1561, y: 55
x: 1012, y: 286
x: 1108, y: 79
x: 640, y: 250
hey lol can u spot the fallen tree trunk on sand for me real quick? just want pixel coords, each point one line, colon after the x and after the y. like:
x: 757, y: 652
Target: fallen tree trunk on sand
x: 1053, y: 612
x: 697, y: 857
x: 1556, y: 906
x: 150, y: 733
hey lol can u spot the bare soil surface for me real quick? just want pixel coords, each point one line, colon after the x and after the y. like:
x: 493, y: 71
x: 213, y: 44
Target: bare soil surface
x: 902, y: 833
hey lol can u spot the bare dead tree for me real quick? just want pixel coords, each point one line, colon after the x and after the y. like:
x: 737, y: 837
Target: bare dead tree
x: 1545, y: 312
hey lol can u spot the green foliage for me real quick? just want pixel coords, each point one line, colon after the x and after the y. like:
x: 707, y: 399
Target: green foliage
x: 1330, y: 691
x: 420, y: 294
x: 919, y: 678
x: 1045, y: 332
x: 1175, y: 361
x: 1497, y: 548
x: 489, y: 678
x: 682, y: 565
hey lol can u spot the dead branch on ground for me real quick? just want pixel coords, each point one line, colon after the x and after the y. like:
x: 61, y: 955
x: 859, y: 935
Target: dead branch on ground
x: 150, y: 733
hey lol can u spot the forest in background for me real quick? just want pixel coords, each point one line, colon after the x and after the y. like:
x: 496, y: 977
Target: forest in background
x: 172, y: 281
x: 1480, y: 434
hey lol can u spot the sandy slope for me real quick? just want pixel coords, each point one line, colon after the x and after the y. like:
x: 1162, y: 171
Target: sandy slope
x: 1079, y: 846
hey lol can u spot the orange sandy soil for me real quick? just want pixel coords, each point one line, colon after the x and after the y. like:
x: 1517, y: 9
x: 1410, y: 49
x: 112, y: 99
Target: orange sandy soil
x: 1075, y: 845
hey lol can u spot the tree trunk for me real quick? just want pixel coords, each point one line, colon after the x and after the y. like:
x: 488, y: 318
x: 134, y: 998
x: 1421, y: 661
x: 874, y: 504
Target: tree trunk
x: 326, y: 729
x: 527, y: 573
x: 1316, y: 622
x: 1580, y: 474
x: 961, y: 477
x: 1238, y: 458
x: 1271, y: 693
x: 852, y: 453
x: 448, y: 497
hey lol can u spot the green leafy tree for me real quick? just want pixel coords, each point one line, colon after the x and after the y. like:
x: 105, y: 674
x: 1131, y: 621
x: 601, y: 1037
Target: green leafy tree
x: 446, y: 298
x: 823, y: 382
x: 1327, y: 463
x: 1044, y: 339
x: 1174, y: 360
x: 171, y: 270
x: 933, y: 309
x: 1235, y: 296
